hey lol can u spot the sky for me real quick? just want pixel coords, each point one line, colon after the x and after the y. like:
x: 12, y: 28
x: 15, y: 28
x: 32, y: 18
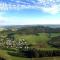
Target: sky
x: 29, y: 12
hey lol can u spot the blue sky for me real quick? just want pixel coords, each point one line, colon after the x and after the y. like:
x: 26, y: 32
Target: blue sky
x: 28, y: 12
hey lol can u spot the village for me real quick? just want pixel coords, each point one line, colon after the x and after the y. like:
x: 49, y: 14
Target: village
x: 9, y: 42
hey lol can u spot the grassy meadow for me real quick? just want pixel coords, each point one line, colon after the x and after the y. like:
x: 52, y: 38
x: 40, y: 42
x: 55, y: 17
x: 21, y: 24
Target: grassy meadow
x: 39, y: 42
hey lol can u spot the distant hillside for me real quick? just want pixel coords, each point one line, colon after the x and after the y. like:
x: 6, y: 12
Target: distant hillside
x: 32, y: 29
x: 19, y: 26
x: 38, y: 29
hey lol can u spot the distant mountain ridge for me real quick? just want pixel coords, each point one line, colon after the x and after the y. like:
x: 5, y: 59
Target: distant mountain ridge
x: 19, y: 26
x: 32, y: 29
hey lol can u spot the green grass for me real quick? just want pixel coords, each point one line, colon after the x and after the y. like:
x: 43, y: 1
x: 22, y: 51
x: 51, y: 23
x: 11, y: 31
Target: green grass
x: 33, y: 39
x: 47, y: 58
x: 55, y: 34
x: 41, y: 38
x: 4, y: 54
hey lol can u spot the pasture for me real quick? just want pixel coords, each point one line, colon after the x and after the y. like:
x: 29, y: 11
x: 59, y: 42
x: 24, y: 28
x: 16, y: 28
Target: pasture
x: 38, y: 42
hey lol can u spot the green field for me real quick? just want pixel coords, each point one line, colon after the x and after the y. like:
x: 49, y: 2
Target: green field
x: 41, y: 39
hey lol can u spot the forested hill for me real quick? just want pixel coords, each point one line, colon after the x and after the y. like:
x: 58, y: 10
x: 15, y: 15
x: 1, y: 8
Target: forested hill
x: 38, y: 29
x: 30, y: 29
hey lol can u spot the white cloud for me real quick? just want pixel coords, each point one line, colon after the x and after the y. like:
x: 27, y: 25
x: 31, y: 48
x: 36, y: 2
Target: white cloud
x: 52, y: 10
x: 48, y: 6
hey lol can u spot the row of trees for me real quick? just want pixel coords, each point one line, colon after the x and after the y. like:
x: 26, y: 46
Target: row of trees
x: 34, y: 53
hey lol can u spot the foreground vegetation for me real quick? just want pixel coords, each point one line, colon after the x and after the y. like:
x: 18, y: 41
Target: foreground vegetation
x: 30, y: 42
x: 4, y: 54
x: 39, y: 42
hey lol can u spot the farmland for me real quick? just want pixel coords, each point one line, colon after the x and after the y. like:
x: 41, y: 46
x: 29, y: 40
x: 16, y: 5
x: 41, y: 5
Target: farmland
x: 33, y: 39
